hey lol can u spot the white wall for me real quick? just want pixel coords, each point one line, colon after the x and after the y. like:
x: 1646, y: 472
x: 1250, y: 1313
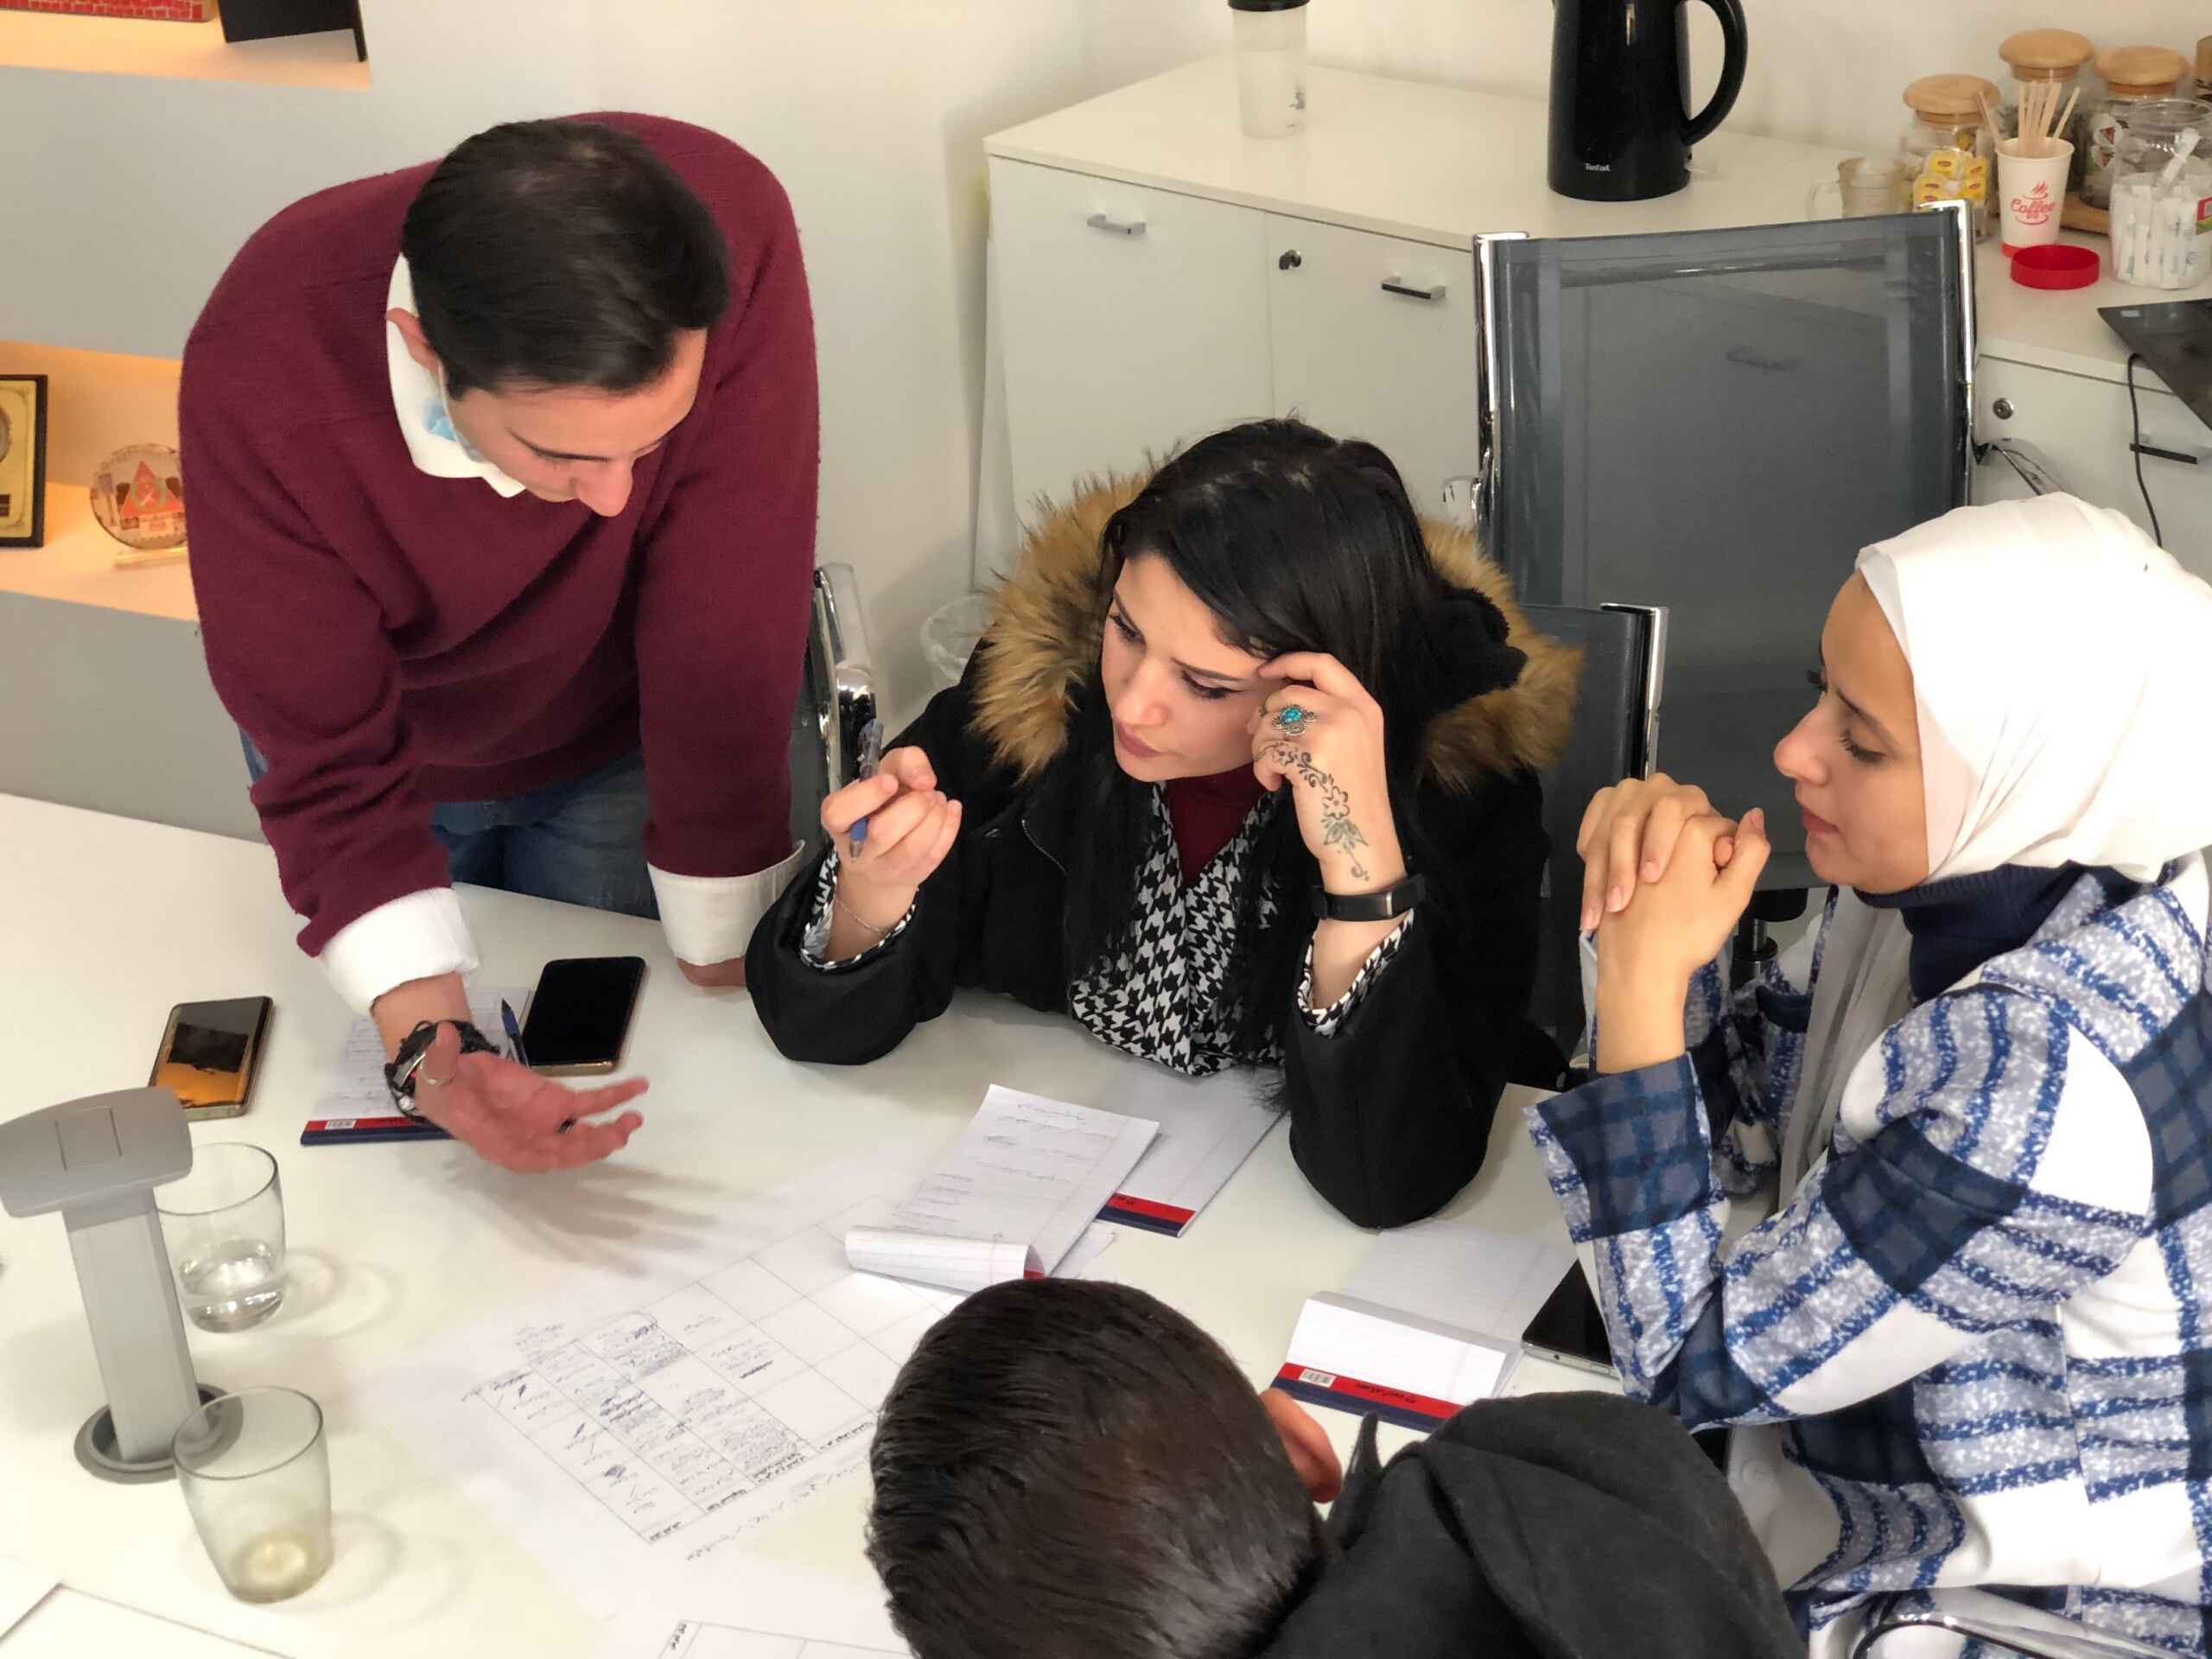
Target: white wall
x: 137, y: 192
x: 127, y: 196
x: 1822, y: 71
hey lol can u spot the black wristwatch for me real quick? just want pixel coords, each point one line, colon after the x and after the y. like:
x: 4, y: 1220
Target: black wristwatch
x: 400, y: 1075
x: 1382, y: 906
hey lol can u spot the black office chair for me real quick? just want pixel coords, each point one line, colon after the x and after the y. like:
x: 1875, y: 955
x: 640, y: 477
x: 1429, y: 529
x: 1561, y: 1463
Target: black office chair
x: 1716, y: 422
x: 836, y: 699
x: 2007, y: 1627
x: 1616, y: 736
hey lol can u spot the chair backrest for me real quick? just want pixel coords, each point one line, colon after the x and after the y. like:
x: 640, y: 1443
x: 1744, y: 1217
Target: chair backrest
x: 1717, y: 422
x: 1617, y: 714
x: 836, y: 698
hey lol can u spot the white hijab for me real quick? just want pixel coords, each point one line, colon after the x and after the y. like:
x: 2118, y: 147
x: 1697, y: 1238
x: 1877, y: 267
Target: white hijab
x: 2058, y: 662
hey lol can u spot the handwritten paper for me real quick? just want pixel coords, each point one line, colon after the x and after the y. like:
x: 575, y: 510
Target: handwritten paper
x: 629, y: 1429
x: 646, y: 1636
x: 1011, y: 1198
x: 1208, y: 1127
x: 354, y: 1086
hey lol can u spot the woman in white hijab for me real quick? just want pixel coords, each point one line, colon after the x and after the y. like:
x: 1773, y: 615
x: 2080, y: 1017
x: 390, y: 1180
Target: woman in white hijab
x: 1981, y: 1320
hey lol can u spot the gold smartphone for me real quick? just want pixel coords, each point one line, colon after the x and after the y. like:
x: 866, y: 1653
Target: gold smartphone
x: 209, y: 1052
x: 580, y: 1014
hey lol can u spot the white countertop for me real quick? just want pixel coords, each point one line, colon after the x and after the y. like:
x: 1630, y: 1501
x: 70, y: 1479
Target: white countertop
x: 1441, y: 165
x: 111, y: 921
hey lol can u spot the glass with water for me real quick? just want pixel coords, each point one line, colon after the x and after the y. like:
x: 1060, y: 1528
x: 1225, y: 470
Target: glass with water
x: 225, y: 1225
x: 255, y: 1474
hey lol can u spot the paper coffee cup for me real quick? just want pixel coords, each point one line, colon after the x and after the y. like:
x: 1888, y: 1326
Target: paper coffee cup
x: 2031, y: 190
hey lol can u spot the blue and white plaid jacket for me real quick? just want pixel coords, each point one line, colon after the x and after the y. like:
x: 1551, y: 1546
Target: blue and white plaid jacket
x: 1983, y: 1320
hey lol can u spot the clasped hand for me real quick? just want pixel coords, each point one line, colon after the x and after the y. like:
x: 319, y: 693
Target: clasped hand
x: 1665, y: 881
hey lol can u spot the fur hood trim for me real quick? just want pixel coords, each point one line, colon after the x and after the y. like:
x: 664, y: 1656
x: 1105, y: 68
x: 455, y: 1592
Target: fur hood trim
x: 1048, y: 620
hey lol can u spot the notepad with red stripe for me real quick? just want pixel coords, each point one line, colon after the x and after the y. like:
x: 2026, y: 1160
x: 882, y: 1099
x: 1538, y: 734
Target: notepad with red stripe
x: 1362, y: 1358
x: 1429, y: 1321
x: 1208, y: 1127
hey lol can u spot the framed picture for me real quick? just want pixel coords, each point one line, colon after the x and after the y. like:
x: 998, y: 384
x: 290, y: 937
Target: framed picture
x: 22, y: 461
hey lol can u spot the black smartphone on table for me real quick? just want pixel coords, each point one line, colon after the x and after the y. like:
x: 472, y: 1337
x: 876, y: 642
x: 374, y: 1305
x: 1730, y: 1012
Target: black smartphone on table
x: 580, y: 1014
x: 208, y: 1053
x: 1569, y: 1328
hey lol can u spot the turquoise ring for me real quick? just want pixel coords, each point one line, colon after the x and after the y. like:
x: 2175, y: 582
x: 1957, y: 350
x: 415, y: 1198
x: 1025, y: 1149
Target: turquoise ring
x: 1291, y: 720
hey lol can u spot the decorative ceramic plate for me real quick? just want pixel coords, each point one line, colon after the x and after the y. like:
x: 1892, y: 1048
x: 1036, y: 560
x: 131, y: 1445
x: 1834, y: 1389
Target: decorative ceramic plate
x: 138, y: 496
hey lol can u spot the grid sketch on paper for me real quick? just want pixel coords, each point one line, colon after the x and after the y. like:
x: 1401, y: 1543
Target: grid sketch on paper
x: 761, y: 1378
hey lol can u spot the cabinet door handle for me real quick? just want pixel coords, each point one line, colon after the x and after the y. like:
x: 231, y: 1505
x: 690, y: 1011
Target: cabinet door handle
x: 1118, y: 226
x: 2186, y: 457
x: 1433, y: 292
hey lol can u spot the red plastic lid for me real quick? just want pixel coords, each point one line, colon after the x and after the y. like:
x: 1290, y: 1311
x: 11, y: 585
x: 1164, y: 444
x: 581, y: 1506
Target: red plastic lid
x: 2056, y: 264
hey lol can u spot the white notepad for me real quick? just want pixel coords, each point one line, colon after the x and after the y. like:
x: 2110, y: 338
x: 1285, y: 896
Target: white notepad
x: 1429, y: 1321
x: 1011, y: 1198
x: 1208, y: 1127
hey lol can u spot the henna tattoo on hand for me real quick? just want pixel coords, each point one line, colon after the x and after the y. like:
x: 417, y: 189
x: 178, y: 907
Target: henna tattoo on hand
x: 1337, y: 828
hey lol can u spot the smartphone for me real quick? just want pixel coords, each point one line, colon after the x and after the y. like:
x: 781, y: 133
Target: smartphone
x: 1569, y: 1328
x: 208, y: 1055
x: 580, y: 1014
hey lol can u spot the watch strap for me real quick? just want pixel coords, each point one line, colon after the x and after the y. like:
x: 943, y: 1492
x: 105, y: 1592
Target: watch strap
x: 400, y: 1075
x: 1383, y: 906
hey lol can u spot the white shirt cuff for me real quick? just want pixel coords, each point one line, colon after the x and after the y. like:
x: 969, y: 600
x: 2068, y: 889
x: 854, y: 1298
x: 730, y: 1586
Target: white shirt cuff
x: 710, y: 918
x: 418, y: 936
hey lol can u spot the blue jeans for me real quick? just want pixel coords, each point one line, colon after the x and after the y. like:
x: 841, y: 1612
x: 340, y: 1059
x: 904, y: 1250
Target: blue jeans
x: 582, y: 841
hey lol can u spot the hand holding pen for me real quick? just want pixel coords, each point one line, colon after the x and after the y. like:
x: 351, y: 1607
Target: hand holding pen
x: 891, y: 831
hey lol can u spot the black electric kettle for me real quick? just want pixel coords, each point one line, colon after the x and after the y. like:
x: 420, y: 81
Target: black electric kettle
x: 1621, y: 125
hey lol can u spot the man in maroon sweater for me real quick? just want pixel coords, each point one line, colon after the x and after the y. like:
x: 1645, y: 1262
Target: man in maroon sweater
x: 503, y: 482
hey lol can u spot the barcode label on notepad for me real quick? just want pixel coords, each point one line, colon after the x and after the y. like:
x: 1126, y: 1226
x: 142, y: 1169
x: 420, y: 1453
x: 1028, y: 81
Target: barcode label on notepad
x: 1319, y: 1379
x: 336, y: 1123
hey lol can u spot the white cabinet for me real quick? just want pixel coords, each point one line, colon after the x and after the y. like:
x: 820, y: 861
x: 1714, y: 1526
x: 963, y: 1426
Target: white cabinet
x: 1257, y: 286
x: 1374, y: 337
x: 2082, y: 427
x: 1135, y: 320
x: 1132, y: 319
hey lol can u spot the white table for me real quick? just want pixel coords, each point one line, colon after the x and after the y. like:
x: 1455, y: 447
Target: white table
x: 109, y: 921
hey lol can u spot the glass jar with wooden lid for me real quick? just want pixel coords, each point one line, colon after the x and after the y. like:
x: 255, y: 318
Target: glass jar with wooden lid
x: 2132, y: 75
x: 1949, y: 142
x: 2040, y: 57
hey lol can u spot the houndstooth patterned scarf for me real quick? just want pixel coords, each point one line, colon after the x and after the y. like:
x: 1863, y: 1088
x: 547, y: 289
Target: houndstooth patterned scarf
x: 1163, y: 994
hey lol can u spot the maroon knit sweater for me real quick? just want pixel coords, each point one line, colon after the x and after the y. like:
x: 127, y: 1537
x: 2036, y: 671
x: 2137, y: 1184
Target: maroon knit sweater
x: 389, y: 640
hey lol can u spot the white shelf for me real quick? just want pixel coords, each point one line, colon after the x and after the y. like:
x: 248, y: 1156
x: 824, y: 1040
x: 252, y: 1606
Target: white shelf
x: 77, y: 565
x: 132, y: 45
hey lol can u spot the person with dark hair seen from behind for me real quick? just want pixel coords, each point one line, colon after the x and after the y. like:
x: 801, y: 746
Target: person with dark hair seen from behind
x: 1243, y: 773
x: 1070, y: 1468
x: 503, y: 476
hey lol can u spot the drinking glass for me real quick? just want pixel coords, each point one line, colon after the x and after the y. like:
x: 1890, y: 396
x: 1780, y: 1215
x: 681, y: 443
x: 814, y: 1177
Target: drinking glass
x: 225, y: 1223
x: 256, y: 1475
